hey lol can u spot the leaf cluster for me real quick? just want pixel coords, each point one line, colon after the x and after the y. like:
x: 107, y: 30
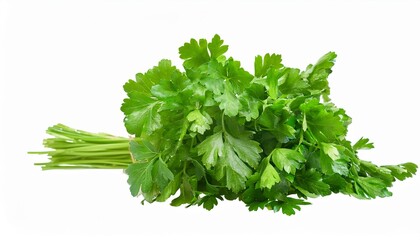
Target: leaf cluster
x: 271, y: 138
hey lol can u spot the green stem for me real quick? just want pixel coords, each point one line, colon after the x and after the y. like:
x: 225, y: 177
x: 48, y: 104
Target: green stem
x: 77, y: 149
x: 223, y: 122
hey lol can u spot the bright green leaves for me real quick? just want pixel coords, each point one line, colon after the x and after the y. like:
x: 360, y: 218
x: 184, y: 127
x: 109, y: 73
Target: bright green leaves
x: 200, y: 121
x: 402, y: 171
x: 233, y: 169
x: 216, y: 47
x: 378, y: 179
x: 219, y: 132
x: 233, y: 158
x: 291, y: 82
x: 236, y: 161
x: 161, y: 174
x: 196, y: 53
x: 287, y: 159
x: 269, y: 177
x: 324, y: 124
x: 389, y: 173
x: 249, y: 107
x: 370, y: 187
x: 331, y: 150
x: 149, y: 174
x: 333, y: 159
x: 227, y: 81
x: 224, y: 80
x: 211, y: 149
x: 140, y: 177
x: 142, y: 150
x: 229, y: 102
x: 248, y: 150
x: 141, y: 116
x: 152, y: 92
x: 148, y: 177
x: 163, y: 72
x: 363, y: 143
x: 262, y: 66
x: 317, y: 74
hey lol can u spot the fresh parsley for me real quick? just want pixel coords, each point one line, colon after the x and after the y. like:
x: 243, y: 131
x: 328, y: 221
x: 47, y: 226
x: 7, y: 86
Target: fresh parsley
x: 214, y: 131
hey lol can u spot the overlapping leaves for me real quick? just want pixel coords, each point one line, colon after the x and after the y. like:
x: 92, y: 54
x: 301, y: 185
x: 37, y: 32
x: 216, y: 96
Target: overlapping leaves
x: 216, y: 131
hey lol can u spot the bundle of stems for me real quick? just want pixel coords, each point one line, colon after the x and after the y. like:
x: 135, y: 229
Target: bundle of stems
x: 77, y: 149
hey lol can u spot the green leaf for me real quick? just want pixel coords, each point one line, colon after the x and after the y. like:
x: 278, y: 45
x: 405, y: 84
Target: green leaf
x: 291, y: 82
x: 378, y: 172
x: 216, y: 47
x: 341, y: 167
x: 200, y: 121
x: 269, y: 177
x: 331, y: 150
x: 235, y: 170
x: 249, y: 107
x: 402, y: 171
x: 370, y: 187
x: 140, y: 177
x: 326, y: 164
x: 152, y: 92
x: 311, y: 180
x: 288, y: 205
x: 230, y: 156
x: 237, y: 76
x: 261, y: 66
x: 229, y: 102
x: 317, y: 74
x: 323, y: 124
x: 203, y: 132
x: 195, y: 53
x: 363, y: 143
x: 287, y: 159
x: 163, y: 72
x: 161, y: 174
x: 170, y: 189
x: 208, y: 202
x: 213, y: 77
x: 338, y: 184
x: 211, y: 149
x: 143, y: 118
x: 247, y: 150
x: 142, y: 150
x: 186, y: 193
x: 257, y: 205
x: 200, y: 171
x: 269, y: 119
x: 273, y: 77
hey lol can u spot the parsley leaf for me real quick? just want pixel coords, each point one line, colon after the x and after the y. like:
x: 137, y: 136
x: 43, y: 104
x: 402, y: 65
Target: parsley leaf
x: 269, y: 177
x: 287, y: 159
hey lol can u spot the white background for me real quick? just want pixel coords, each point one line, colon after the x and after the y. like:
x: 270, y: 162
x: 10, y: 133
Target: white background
x: 66, y: 61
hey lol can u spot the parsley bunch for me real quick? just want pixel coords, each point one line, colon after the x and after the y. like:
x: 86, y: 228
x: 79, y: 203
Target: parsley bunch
x: 271, y: 139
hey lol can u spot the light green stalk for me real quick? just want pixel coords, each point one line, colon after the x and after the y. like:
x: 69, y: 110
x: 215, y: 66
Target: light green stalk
x: 76, y: 149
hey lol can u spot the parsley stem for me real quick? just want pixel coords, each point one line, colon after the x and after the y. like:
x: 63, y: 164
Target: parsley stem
x: 223, y: 122
x: 77, y: 149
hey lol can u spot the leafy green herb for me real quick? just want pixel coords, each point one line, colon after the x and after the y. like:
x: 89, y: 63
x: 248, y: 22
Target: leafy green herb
x: 215, y: 131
